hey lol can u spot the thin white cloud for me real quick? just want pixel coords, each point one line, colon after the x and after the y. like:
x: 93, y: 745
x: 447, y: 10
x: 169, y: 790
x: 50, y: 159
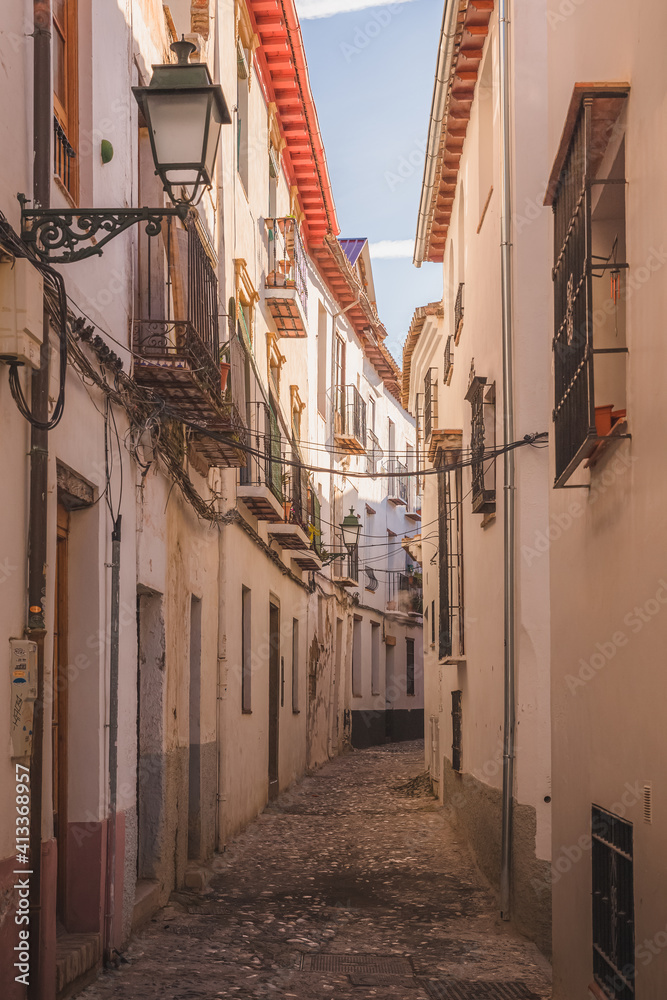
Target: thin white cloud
x: 387, y: 249
x: 311, y: 9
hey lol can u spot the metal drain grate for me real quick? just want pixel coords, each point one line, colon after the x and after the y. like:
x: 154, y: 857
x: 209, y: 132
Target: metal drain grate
x: 368, y: 964
x: 383, y: 979
x: 467, y: 989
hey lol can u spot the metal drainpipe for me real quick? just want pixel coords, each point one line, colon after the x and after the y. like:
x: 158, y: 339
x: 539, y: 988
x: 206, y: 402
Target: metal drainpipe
x: 508, y: 464
x: 113, y: 735
x: 39, y: 468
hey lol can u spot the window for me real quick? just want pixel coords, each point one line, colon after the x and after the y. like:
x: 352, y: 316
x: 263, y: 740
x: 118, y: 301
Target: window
x: 430, y: 403
x: 246, y: 650
x: 457, y: 737
x: 356, y: 658
x: 410, y: 666
x: 433, y: 623
x: 482, y: 398
x: 587, y: 193
x: 339, y: 367
x: 450, y: 570
x: 242, y: 105
x: 375, y: 657
x: 613, y: 905
x: 295, y: 666
x: 65, y: 95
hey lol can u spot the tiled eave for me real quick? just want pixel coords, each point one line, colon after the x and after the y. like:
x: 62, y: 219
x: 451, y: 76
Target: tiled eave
x: 420, y: 316
x: 472, y: 27
x: 281, y: 59
x: 344, y: 285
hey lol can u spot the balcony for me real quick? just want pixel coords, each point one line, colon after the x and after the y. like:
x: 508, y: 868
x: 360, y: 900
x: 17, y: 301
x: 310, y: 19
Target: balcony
x: 176, y: 342
x: 286, y: 288
x: 349, y: 412
x: 374, y: 454
x: 346, y: 567
x: 398, y: 483
x: 404, y: 592
x: 307, y: 517
x: 260, y: 482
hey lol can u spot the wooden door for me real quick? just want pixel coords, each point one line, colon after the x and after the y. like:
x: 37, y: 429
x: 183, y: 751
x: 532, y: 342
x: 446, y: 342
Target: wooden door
x: 60, y: 715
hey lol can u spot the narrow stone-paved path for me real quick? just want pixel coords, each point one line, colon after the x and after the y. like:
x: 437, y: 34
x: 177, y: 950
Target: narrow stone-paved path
x: 344, y: 863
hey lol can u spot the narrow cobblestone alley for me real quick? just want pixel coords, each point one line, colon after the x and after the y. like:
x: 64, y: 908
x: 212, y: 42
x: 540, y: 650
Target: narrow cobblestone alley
x: 347, y: 863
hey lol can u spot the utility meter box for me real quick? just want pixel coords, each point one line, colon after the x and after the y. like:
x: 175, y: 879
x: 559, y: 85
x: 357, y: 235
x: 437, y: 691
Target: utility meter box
x: 21, y: 311
x: 23, y: 692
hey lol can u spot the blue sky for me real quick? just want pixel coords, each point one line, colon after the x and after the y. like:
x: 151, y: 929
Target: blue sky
x: 372, y: 67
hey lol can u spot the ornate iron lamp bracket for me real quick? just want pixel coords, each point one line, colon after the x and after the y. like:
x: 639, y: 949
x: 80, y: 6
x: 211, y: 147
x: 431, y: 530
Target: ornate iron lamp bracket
x: 56, y: 235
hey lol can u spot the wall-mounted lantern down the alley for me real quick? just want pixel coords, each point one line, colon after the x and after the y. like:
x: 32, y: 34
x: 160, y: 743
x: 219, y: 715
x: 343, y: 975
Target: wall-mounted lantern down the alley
x: 184, y: 111
x: 350, y: 529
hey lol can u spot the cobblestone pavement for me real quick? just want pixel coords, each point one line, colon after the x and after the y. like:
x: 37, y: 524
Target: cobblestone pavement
x: 347, y: 863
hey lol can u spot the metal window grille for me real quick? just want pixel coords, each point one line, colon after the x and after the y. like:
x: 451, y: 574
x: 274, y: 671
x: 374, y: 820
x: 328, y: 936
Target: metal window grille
x: 457, y: 735
x: 575, y: 266
x: 372, y: 581
x: 434, y: 732
x: 613, y: 904
x: 410, y: 666
x: 430, y: 402
x: 483, y: 422
x: 450, y: 569
x: 458, y: 312
x: 448, y: 368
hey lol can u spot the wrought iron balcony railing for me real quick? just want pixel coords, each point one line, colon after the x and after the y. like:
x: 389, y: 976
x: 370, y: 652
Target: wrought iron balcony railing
x: 404, y: 592
x: 397, y: 490
x: 288, y: 273
x: 349, y: 419
x: 176, y: 342
x: 263, y: 468
x: 374, y: 454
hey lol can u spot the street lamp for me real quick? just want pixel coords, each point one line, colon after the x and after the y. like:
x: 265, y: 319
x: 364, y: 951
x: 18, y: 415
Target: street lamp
x: 184, y: 111
x: 350, y: 529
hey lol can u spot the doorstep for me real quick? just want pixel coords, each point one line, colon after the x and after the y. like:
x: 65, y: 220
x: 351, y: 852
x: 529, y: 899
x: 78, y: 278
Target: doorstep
x: 146, y: 901
x: 78, y: 957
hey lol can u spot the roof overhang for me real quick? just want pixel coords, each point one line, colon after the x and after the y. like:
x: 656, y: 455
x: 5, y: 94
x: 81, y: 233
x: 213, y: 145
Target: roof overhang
x: 281, y: 58
x: 343, y: 283
x: 421, y: 314
x: 465, y: 26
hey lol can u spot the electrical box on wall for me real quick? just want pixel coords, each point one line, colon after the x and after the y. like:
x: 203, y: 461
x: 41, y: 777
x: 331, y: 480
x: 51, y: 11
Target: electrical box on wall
x: 21, y: 311
x: 23, y: 692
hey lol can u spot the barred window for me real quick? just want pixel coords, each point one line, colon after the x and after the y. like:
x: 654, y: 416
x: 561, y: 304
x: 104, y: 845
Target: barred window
x: 613, y: 905
x: 450, y: 570
x: 587, y: 193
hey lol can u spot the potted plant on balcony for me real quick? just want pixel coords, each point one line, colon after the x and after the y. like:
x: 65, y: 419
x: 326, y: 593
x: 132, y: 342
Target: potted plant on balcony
x: 225, y: 367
